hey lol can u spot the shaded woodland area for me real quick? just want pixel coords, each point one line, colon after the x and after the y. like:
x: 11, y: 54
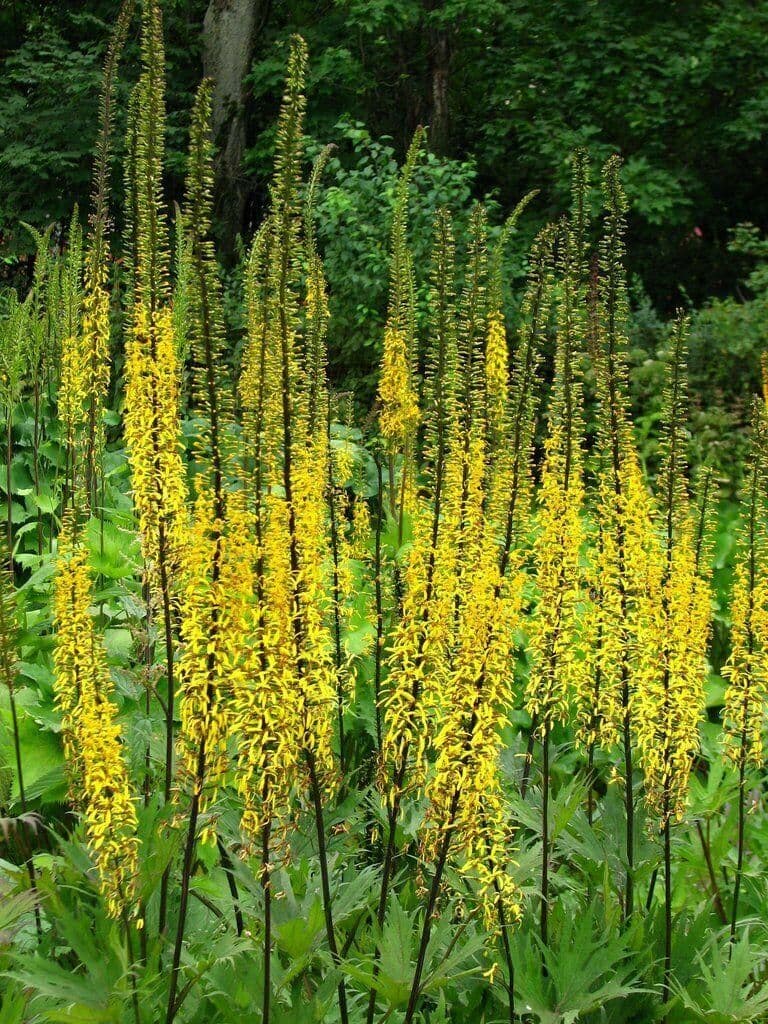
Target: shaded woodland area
x: 679, y: 89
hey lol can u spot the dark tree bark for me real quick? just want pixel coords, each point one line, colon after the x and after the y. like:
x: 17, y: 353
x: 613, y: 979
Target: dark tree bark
x: 439, y: 68
x: 439, y: 133
x: 230, y: 29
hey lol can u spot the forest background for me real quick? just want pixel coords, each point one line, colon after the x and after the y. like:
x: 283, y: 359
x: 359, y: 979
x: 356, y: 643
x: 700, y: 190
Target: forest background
x: 508, y: 89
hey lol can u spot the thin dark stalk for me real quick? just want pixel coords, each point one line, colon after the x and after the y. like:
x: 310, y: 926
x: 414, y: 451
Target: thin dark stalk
x: 739, y: 845
x: 434, y: 891
x: 392, y: 487
x: 445, y: 955
x: 544, y: 846
x: 186, y: 875
x: 503, y: 927
x: 651, y: 889
x: 147, y: 784
x: 378, y: 653
x: 169, y: 709
x: 665, y: 991
x: 229, y: 871
x: 716, y: 897
x: 131, y: 969
x: 629, y: 804
x: 336, y: 595
x: 403, y: 484
x: 393, y: 814
x: 317, y: 802
x: 528, y: 763
x: 595, y: 718
x: 266, y: 886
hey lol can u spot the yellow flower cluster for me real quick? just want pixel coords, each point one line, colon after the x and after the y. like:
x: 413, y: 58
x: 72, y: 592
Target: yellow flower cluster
x: 216, y: 619
x: 265, y: 704
x: 95, y: 345
x: 72, y: 394
x: 668, y: 703
x: 317, y: 300
x: 621, y: 567
x: 423, y: 637
x: 72, y: 659
x: 496, y: 372
x: 558, y: 666
x: 747, y: 668
x: 316, y: 679
x: 416, y: 661
x: 285, y: 692
x: 92, y: 743
x: 399, y: 405
x: 152, y: 436
x: 464, y: 790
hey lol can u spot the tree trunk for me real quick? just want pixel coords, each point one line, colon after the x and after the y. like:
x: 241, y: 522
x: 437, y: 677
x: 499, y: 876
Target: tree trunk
x: 230, y: 28
x: 438, y: 71
x: 440, y: 59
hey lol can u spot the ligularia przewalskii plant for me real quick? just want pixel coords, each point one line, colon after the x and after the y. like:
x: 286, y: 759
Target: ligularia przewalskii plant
x: 327, y: 773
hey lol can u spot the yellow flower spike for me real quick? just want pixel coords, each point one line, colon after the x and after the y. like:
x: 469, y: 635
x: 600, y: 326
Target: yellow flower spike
x: 265, y: 691
x: 218, y: 627
x: 496, y: 371
x: 72, y: 395
x: 152, y: 434
x: 747, y: 670
x: 418, y: 650
x: 72, y: 658
x: 399, y: 414
x: 464, y: 791
x: 318, y: 693
x: 747, y: 667
x: 622, y: 564
x: 558, y: 668
x: 92, y: 742
x: 668, y: 703
x: 96, y: 359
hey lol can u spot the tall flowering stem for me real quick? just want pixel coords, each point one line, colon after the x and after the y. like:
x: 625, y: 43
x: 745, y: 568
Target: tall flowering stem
x: 510, y: 485
x: 747, y: 667
x: 293, y: 686
x: 216, y: 582
x: 462, y: 698
x: 672, y: 638
x: 152, y: 390
x: 399, y: 410
x: 95, y: 327
x: 557, y: 662
x: 467, y: 817
x: 419, y: 636
x: 92, y: 740
x: 623, y: 507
